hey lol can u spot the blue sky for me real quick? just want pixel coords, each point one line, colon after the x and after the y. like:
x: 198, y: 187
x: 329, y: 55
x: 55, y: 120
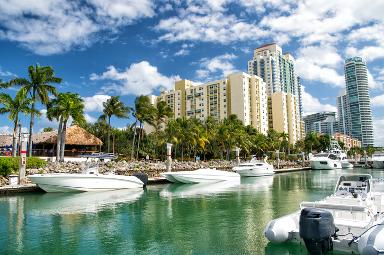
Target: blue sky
x: 126, y: 47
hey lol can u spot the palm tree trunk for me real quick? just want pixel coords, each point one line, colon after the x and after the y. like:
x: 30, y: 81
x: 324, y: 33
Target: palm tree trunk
x: 109, y: 133
x: 138, y: 142
x: 62, y: 143
x: 58, y: 140
x: 14, y: 138
x: 31, y: 123
x: 133, y: 141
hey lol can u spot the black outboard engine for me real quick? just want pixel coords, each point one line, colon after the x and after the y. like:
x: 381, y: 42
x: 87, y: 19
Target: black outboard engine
x: 142, y: 177
x: 317, y: 228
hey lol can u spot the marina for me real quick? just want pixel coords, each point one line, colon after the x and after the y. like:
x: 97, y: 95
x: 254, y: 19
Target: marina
x: 206, y: 218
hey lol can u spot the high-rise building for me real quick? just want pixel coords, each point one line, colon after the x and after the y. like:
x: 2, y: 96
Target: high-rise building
x: 239, y: 93
x: 321, y: 122
x: 359, y: 112
x: 283, y: 116
x: 277, y: 70
x: 342, y: 113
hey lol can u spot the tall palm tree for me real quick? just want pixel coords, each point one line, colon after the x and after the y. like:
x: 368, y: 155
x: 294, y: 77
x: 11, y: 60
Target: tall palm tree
x: 65, y: 106
x: 161, y: 113
x: 144, y: 112
x: 114, y: 107
x: 14, y: 106
x: 38, y: 86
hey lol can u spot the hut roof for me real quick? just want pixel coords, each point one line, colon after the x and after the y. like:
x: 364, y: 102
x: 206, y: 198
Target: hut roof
x: 75, y: 136
x: 5, y: 140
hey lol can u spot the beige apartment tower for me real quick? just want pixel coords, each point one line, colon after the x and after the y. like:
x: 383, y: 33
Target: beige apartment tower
x: 239, y: 93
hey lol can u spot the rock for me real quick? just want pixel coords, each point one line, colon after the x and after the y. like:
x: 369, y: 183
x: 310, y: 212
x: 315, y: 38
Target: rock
x: 3, y: 181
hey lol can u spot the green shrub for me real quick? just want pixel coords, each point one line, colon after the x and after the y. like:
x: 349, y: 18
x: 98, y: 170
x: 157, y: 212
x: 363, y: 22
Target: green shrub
x: 9, y: 165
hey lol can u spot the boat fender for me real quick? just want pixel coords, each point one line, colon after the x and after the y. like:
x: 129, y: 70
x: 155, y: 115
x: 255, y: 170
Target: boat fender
x: 372, y: 241
x: 316, y: 228
x: 278, y: 230
x: 142, y: 177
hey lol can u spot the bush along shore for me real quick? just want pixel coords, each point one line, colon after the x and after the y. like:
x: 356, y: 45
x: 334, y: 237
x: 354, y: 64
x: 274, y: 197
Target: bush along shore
x: 152, y: 169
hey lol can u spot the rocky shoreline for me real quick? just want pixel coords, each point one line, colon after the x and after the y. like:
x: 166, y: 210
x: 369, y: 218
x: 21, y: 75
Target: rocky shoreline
x: 152, y: 169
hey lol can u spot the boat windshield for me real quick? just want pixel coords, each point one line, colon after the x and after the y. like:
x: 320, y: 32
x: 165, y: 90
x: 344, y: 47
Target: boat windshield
x: 321, y: 155
x: 354, y: 183
x: 378, y: 155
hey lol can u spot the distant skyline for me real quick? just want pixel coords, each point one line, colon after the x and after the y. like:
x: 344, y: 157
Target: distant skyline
x: 127, y: 48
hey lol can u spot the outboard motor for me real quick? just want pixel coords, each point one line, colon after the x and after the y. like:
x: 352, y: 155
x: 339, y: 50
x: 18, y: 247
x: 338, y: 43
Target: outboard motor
x: 142, y: 177
x: 316, y: 229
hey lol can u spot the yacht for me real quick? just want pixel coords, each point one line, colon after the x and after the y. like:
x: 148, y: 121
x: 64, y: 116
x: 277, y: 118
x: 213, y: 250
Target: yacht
x: 341, y: 155
x: 89, y: 180
x: 254, y: 168
x: 325, y: 161
x: 203, y: 175
x: 378, y: 160
x: 350, y: 220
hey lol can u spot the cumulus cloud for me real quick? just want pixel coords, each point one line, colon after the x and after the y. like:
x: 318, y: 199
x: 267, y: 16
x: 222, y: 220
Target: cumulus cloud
x: 312, y: 104
x: 217, y: 66
x: 378, y: 126
x: 48, y: 27
x: 95, y: 103
x: 138, y: 79
x: 377, y: 101
x: 320, y: 64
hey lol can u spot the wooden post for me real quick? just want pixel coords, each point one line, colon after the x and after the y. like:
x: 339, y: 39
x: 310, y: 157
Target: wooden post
x: 169, y: 157
x: 23, y: 158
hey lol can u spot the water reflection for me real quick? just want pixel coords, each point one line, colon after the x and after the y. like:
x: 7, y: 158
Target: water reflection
x: 196, y: 190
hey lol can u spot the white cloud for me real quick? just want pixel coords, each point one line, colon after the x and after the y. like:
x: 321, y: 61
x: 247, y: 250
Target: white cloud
x: 89, y: 118
x: 378, y: 127
x: 219, y: 65
x: 48, y: 27
x: 5, y: 130
x: 312, y: 104
x: 138, y: 79
x: 320, y: 64
x: 377, y: 101
x: 6, y: 72
x: 95, y: 103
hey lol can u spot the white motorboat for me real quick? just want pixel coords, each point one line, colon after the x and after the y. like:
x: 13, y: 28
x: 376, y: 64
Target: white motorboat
x: 325, y: 161
x: 350, y: 220
x: 203, y: 175
x: 90, y: 180
x: 378, y: 160
x: 254, y: 168
x: 341, y: 155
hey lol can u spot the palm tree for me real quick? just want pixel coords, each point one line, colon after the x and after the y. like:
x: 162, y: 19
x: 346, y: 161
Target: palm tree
x: 65, y: 106
x: 39, y: 87
x: 14, y: 106
x: 144, y: 112
x: 114, y: 107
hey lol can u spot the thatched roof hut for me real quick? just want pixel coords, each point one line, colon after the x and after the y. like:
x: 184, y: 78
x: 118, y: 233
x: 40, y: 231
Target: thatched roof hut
x: 5, y: 140
x: 75, y: 136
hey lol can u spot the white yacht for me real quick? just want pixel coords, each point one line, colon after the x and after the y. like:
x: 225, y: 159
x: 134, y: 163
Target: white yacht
x: 378, y: 160
x: 254, y: 168
x: 350, y: 220
x: 203, y: 175
x: 341, y: 155
x: 90, y: 180
x: 325, y: 161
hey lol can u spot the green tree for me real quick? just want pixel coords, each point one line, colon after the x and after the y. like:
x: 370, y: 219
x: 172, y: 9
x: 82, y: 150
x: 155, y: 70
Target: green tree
x: 160, y: 115
x: 48, y: 129
x: 13, y: 107
x: 65, y: 106
x: 38, y: 86
x: 113, y: 107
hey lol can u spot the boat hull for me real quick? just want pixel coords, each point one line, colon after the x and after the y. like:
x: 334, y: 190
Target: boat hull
x: 200, y: 176
x: 254, y: 172
x: 84, y: 182
x: 325, y: 164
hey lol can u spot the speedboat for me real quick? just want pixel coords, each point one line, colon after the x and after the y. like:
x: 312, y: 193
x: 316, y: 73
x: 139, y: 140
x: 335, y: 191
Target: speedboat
x: 325, y: 161
x: 200, y: 176
x: 254, y: 168
x: 378, y: 160
x: 350, y: 220
x: 89, y: 180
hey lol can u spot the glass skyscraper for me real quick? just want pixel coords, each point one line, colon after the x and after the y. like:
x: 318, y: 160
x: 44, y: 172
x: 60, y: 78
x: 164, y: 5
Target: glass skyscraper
x: 359, y: 114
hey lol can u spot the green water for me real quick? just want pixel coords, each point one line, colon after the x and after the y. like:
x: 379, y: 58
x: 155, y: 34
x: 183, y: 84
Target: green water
x: 163, y: 219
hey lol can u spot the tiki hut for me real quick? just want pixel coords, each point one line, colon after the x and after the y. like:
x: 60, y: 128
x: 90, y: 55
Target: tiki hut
x: 78, y: 141
x: 5, y: 145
